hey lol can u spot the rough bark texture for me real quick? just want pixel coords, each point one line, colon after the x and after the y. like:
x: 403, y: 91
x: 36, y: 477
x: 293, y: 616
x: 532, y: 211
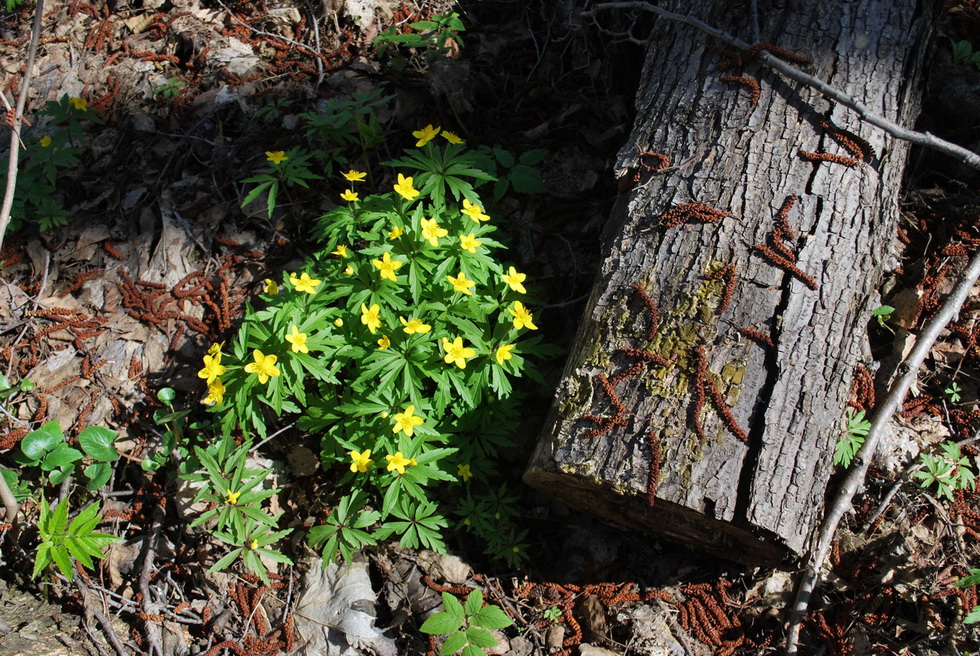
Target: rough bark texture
x: 758, y: 501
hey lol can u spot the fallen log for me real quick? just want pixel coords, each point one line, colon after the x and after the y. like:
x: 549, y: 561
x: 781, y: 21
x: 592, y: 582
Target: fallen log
x: 708, y: 381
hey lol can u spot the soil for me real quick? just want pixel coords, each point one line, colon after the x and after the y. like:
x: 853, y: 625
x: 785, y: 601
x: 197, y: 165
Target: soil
x: 192, y: 94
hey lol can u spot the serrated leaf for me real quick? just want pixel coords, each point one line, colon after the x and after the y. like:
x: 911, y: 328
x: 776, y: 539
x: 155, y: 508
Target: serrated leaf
x: 472, y: 650
x: 480, y: 637
x: 441, y: 623
x: 453, y: 644
x: 491, y: 617
x: 474, y: 602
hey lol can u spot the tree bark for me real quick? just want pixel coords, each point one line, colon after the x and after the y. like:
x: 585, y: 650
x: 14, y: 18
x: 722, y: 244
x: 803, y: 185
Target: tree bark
x: 748, y: 483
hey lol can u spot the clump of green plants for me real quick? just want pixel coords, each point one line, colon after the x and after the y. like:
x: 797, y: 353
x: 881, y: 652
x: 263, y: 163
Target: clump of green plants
x: 855, y: 430
x: 882, y: 314
x: 397, y: 343
x: 949, y: 471
x: 52, y: 149
x: 953, y: 392
x: 964, y: 55
x: 47, y: 449
x: 170, y: 89
x: 61, y: 541
x: 435, y: 38
x: 973, y: 578
x: 466, y: 627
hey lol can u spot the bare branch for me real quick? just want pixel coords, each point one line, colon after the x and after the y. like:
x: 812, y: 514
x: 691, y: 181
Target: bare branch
x: 8, y: 194
x: 921, y: 138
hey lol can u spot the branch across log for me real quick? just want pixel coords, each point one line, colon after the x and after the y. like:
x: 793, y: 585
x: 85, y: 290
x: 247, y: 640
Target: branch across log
x: 719, y: 344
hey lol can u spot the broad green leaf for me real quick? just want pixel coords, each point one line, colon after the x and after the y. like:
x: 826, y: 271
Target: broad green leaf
x: 36, y: 443
x: 481, y: 637
x: 453, y: 644
x: 491, y: 617
x: 98, y: 442
x: 61, y: 456
x: 474, y: 602
x: 98, y: 474
x: 441, y: 623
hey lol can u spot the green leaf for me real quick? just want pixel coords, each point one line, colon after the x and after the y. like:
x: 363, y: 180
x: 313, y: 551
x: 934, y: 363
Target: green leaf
x: 453, y: 643
x: 472, y: 650
x: 973, y: 616
x: 36, y: 443
x: 98, y: 442
x: 474, y: 602
x: 61, y: 558
x: 453, y: 607
x: 61, y: 456
x: 491, y: 617
x: 42, y: 558
x: 442, y: 623
x: 481, y: 637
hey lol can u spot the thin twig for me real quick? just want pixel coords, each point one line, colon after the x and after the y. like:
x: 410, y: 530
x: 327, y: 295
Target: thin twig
x: 863, y: 111
x: 150, y: 607
x: 891, y: 404
x: 8, y: 194
x: 110, y: 633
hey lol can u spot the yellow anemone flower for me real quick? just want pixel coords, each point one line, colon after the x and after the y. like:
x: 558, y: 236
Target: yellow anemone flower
x: 349, y: 195
x: 276, y: 156
x: 360, y: 461
x: 45, y: 141
x: 407, y: 421
x: 503, y: 353
x: 475, y: 212
x: 79, y: 103
x: 354, y: 176
x: 216, y: 392
x: 432, y: 232
x: 270, y: 287
x: 425, y: 135
x: 397, y: 462
x: 451, y: 137
x: 370, y: 316
x: 514, y: 280
x: 461, y: 284
x: 212, y: 367
x: 405, y: 189
x: 231, y: 498
x: 304, y: 283
x: 384, y: 342
x: 456, y: 353
x: 463, y: 471
x: 297, y: 340
x: 414, y: 326
x: 388, y: 266
x: 469, y: 242
x: 264, y: 366
x: 396, y: 232
x: 522, y: 317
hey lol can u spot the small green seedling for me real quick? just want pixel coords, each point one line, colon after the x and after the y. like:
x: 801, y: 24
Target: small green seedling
x: 60, y: 542
x: 552, y: 614
x: 850, y: 442
x: 882, y: 314
x: 950, y: 471
x: 466, y: 627
x: 170, y: 89
x: 963, y: 54
x: 953, y: 392
x: 972, y: 579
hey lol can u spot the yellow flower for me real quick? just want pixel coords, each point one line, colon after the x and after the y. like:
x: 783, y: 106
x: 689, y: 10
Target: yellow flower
x: 384, y: 342
x: 338, y: 322
x: 463, y: 471
x: 369, y: 316
x: 349, y: 270
x: 432, y: 231
x: 522, y: 318
x: 456, y: 353
x: 297, y: 339
x: 503, y: 353
x: 215, y: 348
x: 354, y: 176
x: 414, y: 326
x: 264, y: 366
x: 397, y: 462
x: 425, y: 135
x: 304, y: 283
x: 469, y: 242
x: 231, y: 498
x: 475, y: 212
x: 253, y: 545
x: 212, y: 367
x: 341, y: 251
x: 387, y: 266
x: 349, y: 195
x: 270, y: 287
x: 405, y: 189
x: 79, y: 103
x: 276, y: 156
x: 395, y: 233
x: 514, y: 280
x: 216, y: 392
x: 461, y: 284
x: 407, y: 421
x: 45, y: 141
x: 451, y: 137
x: 360, y: 462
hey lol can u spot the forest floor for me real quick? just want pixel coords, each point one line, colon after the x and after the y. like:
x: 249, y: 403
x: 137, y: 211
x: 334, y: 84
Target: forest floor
x: 191, y: 95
